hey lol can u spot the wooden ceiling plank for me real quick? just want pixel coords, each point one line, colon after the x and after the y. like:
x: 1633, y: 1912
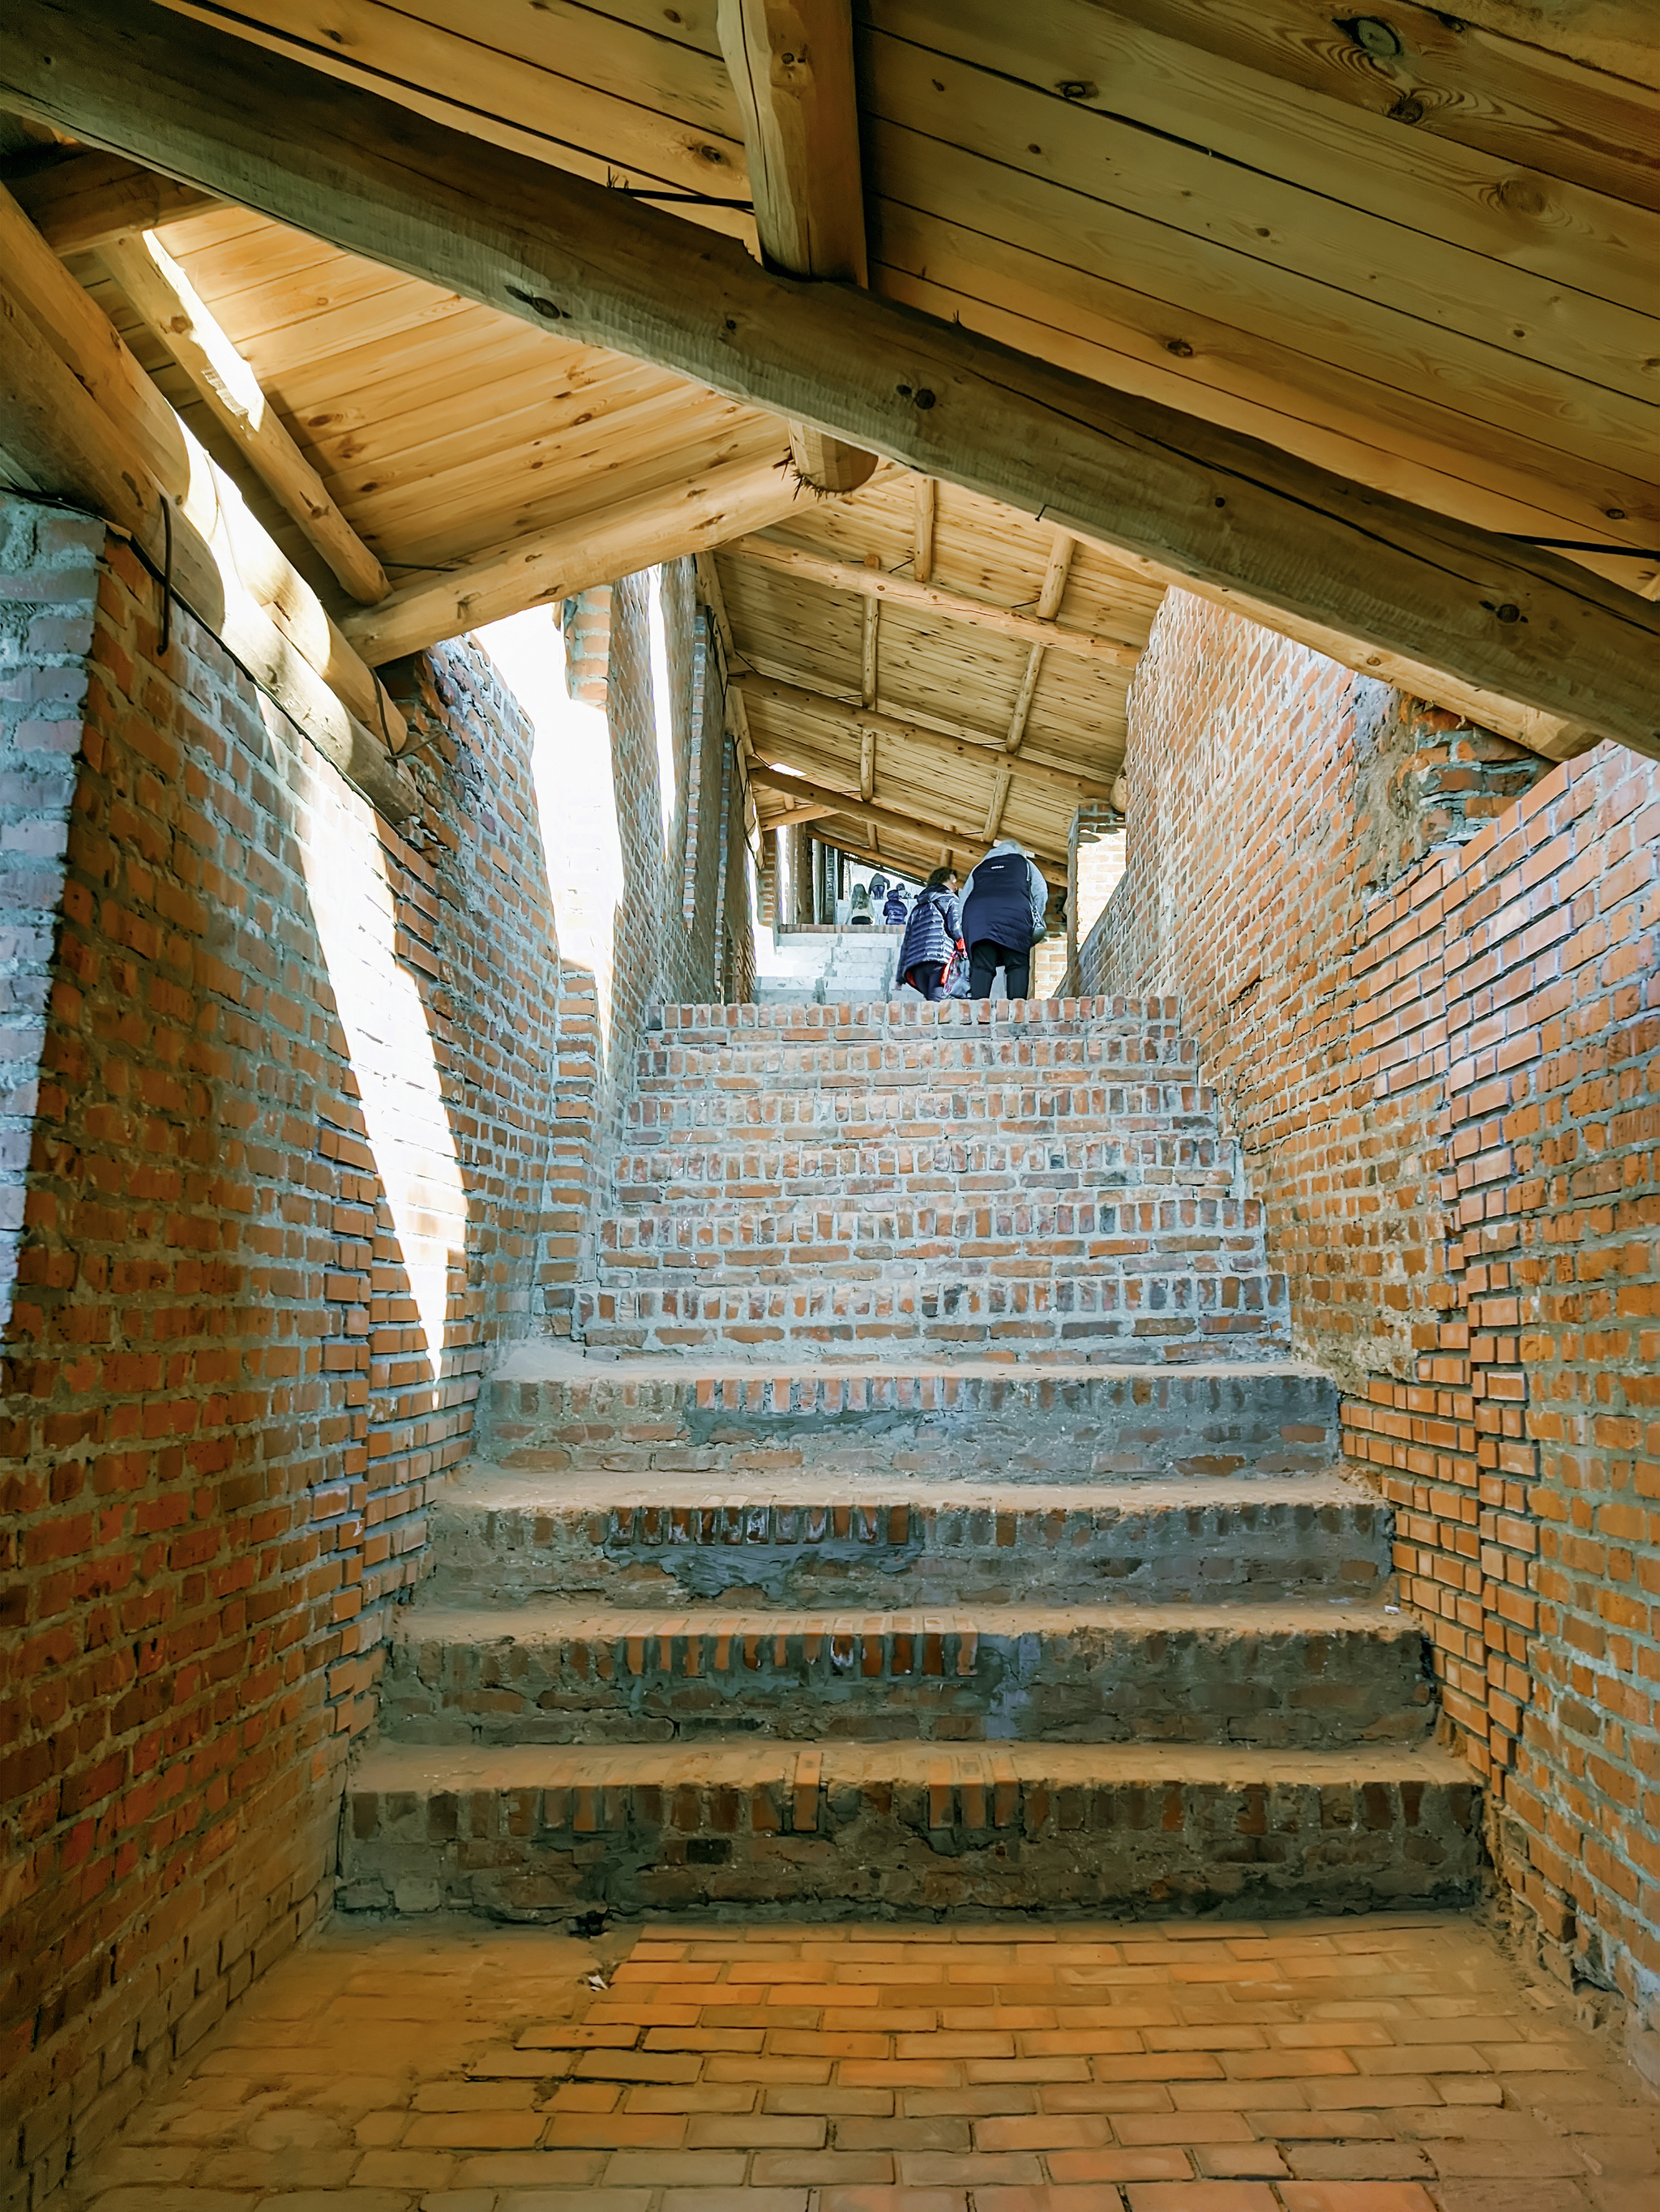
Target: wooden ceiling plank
x: 78, y: 203
x: 544, y: 244
x: 984, y: 754
x: 601, y: 130
x: 952, y: 606
x: 1287, y: 306
x: 791, y: 64
x: 1508, y: 98
x: 684, y: 516
x: 1365, y: 431
x: 1262, y: 125
x: 496, y: 518
x: 160, y: 292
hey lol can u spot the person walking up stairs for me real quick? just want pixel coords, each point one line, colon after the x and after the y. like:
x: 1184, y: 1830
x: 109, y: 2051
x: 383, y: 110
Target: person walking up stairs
x: 933, y: 1520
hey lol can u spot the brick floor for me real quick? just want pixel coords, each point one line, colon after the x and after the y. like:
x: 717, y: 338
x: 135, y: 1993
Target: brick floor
x: 1386, y: 2063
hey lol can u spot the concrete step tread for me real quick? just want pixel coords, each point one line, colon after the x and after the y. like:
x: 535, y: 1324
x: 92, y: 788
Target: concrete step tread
x: 428, y: 1770
x: 552, y: 1620
x: 725, y: 1021
x: 483, y: 1486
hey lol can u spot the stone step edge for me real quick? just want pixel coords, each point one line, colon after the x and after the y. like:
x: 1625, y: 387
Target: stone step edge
x: 788, y: 1784
x: 536, y: 1621
x: 902, y: 1013
x: 483, y: 1485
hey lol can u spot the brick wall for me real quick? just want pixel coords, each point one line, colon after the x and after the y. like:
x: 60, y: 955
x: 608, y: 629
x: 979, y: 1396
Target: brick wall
x: 1421, y: 966
x: 287, y: 1179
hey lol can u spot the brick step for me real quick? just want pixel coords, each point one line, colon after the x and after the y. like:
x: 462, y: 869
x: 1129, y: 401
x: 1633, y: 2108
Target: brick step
x: 1287, y: 1676
x: 1131, y: 1232
x: 805, y: 1540
x: 1062, y: 1306
x: 549, y: 1408
x: 930, y: 1060
x: 888, y: 1115
x: 721, y: 1024
x: 1090, y: 1163
x: 887, y: 1831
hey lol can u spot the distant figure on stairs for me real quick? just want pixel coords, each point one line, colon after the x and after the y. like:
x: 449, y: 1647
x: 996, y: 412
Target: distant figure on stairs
x: 933, y: 936
x: 859, y: 913
x: 1004, y: 901
x: 895, y: 907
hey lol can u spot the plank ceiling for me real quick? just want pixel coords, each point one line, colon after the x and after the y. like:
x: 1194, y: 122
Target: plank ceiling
x: 1422, y: 250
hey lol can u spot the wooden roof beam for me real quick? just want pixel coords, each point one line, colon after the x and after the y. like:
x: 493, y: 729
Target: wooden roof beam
x: 166, y: 299
x: 1217, y: 507
x: 687, y: 515
x: 791, y: 65
x: 79, y: 203
x: 57, y: 439
x: 171, y: 458
x: 927, y: 598
x: 926, y: 520
x: 986, y: 753
x: 1049, y: 605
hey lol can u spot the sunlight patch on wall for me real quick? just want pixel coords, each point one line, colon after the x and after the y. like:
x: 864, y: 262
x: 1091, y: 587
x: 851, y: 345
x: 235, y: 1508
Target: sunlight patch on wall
x: 405, y: 1123
x: 575, y: 793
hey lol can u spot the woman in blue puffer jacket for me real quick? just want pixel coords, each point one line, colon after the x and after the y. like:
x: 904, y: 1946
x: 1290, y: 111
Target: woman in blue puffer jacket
x: 931, y: 935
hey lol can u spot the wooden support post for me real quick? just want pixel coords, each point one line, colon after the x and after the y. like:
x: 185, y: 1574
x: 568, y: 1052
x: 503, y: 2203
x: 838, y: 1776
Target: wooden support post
x: 1205, y: 503
x: 866, y: 762
x: 158, y: 288
x: 927, y: 509
x: 791, y: 64
x: 871, y: 610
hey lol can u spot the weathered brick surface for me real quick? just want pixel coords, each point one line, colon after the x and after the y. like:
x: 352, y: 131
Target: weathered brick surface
x: 290, y: 1176
x: 896, y: 1830
x: 1421, y: 968
x: 807, y: 1539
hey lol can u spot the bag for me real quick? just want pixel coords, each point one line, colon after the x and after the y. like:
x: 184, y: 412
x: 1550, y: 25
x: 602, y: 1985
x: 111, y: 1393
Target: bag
x: 1040, y: 933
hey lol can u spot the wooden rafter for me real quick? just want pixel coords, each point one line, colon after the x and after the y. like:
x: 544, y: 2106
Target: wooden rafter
x: 927, y: 599
x: 1204, y: 501
x: 986, y: 753
x: 911, y: 826
x: 791, y: 63
x: 164, y: 297
x: 682, y: 515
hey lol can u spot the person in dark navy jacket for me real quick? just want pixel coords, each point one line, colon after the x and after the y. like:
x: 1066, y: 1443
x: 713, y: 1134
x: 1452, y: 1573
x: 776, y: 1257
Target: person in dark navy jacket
x: 1003, y: 906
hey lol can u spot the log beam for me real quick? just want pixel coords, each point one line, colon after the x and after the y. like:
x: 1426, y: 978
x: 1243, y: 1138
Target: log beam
x: 1049, y: 605
x: 984, y: 752
x: 926, y: 599
x: 80, y: 203
x: 166, y: 299
x: 1212, y: 505
x: 791, y: 65
x: 688, y: 514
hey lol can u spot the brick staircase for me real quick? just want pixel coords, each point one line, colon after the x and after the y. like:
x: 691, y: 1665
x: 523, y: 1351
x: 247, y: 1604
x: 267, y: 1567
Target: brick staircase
x: 953, y: 1533
x: 1031, y: 1180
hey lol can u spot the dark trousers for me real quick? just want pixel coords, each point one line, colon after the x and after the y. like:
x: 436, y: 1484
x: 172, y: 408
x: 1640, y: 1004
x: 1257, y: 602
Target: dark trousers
x: 985, y: 959
x: 928, y: 977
